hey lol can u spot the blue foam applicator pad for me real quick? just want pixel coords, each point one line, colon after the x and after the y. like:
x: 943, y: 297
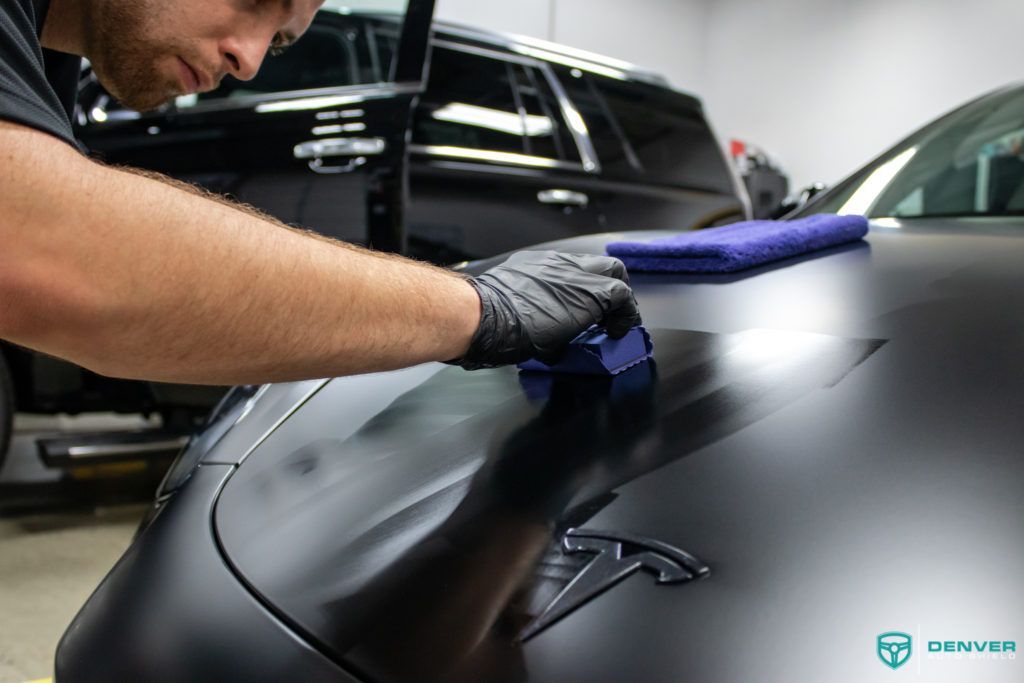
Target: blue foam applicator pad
x: 595, y: 353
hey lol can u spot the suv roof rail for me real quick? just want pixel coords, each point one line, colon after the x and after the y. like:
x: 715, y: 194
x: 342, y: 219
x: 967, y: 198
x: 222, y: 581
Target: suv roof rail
x: 535, y: 47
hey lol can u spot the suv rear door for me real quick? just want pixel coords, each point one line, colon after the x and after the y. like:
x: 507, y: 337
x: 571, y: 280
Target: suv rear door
x: 495, y: 164
x: 661, y: 164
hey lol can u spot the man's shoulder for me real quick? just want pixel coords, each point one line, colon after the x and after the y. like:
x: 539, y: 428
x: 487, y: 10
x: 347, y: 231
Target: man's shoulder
x: 27, y: 95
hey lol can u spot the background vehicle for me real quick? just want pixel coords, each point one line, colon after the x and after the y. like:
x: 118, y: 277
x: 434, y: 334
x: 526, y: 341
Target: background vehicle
x: 766, y: 184
x: 514, y: 141
x: 824, y: 433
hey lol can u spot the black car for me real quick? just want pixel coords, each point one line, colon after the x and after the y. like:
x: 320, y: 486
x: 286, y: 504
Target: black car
x: 513, y: 142
x: 817, y: 478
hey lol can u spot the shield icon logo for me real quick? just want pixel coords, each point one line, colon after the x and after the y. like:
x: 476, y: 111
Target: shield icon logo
x: 894, y: 649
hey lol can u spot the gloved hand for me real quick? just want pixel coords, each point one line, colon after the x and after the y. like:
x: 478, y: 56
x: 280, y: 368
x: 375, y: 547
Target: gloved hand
x: 536, y: 302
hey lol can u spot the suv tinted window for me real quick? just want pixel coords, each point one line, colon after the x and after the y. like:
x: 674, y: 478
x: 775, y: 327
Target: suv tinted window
x: 666, y: 133
x: 469, y: 103
x: 552, y: 138
x: 614, y: 151
x: 479, y: 102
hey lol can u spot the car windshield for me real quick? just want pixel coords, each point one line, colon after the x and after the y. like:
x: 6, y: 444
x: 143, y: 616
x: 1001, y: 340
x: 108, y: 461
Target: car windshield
x: 968, y: 163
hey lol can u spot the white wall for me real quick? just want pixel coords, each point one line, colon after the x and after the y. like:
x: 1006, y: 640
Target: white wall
x: 667, y: 36
x: 825, y: 85
x: 525, y: 17
x: 664, y: 35
x: 822, y: 85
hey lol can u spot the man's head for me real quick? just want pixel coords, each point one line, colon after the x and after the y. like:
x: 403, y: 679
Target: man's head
x: 146, y: 52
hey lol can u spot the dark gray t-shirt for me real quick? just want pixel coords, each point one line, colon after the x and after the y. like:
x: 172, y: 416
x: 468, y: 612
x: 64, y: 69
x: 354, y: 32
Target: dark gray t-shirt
x: 37, y: 86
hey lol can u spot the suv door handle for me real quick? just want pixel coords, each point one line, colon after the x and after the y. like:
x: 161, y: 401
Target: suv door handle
x: 316, y: 150
x: 563, y: 198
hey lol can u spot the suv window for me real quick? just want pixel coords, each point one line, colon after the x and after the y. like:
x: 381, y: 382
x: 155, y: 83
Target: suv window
x: 484, y: 103
x: 552, y: 139
x: 614, y: 151
x: 662, y: 131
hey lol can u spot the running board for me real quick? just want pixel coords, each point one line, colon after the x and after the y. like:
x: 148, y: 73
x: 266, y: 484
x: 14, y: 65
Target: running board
x: 72, y: 450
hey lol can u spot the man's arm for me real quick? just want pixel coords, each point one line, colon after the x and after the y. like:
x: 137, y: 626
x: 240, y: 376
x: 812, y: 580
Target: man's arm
x: 132, y: 277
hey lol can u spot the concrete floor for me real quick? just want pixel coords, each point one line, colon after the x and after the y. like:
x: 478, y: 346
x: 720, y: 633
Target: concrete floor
x: 49, y: 565
x: 54, y: 556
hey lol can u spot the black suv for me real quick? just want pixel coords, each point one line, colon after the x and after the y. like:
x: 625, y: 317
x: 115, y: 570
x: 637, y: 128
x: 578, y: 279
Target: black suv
x: 510, y: 142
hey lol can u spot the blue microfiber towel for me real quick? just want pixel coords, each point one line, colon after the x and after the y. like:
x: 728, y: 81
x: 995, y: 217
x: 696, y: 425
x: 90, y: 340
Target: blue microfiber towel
x: 740, y: 245
x: 595, y: 353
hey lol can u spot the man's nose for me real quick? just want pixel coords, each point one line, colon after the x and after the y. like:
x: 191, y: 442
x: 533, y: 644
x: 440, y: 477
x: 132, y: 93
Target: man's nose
x: 243, y: 55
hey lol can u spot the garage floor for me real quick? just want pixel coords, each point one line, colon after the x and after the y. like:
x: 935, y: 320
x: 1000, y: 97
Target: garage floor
x: 58, y: 538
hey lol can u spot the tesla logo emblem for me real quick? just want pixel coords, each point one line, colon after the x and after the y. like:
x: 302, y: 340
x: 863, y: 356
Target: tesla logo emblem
x: 616, y: 556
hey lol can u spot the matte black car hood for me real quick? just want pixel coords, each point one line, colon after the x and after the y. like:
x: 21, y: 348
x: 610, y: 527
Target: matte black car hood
x: 837, y: 437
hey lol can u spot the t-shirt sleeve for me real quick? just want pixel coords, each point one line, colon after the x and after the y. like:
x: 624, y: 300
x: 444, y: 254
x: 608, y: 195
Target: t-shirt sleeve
x: 26, y: 96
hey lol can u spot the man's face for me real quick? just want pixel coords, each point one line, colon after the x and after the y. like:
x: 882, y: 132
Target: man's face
x: 147, y: 52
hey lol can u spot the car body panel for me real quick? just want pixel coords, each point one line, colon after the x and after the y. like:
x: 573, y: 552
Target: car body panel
x: 175, y: 615
x: 812, y: 428
x: 837, y: 436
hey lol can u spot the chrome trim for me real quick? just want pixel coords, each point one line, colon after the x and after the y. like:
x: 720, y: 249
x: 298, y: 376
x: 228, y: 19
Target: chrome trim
x: 522, y: 171
x: 347, y: 94
x: 342, y: 114
x: 300, y: 100
x: 510, y: 158
x: 586, y: 61
x: 484, y: 52
x: 560, y: 197
x: 339, y: 147
x: 578, y: 127
x: 336, y: 128
x: 86, y: 452
x: 317, y: 166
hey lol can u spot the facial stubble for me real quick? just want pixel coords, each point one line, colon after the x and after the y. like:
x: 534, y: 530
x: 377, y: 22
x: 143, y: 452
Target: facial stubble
x: 125, y: 48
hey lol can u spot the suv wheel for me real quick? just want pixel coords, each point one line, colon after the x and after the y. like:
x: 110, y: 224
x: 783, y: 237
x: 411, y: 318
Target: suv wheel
x: 6, y: 409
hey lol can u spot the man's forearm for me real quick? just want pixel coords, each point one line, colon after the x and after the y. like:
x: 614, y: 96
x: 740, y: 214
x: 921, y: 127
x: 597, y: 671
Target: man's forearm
x: 136, y: 278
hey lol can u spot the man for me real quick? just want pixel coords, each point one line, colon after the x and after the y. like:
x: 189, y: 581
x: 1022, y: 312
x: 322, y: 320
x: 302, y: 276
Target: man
x: 140, y: 277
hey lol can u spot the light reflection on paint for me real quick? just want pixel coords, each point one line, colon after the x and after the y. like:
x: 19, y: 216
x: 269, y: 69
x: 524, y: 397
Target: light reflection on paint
x: 758, y: 348
x: 531, y: 125
x: 557, y: 58
x: 305, y: 103
x: 343, y: 114
x: 486, y: 155
x: 339, y: 128
x: 592, y: 57
x: 186, y: 101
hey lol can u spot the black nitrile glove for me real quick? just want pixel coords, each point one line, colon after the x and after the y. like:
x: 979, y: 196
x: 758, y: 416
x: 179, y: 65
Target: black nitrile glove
x: 536, y: 302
